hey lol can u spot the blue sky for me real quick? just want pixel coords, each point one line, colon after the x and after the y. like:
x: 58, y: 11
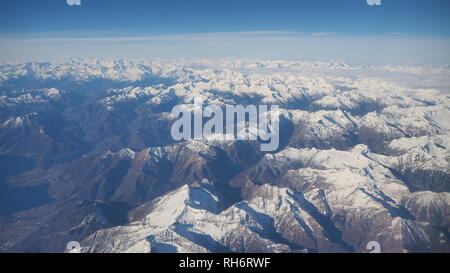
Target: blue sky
x: 417, y: 30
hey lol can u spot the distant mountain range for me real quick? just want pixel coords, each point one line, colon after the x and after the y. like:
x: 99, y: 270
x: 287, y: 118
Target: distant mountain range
x: 364, y: 156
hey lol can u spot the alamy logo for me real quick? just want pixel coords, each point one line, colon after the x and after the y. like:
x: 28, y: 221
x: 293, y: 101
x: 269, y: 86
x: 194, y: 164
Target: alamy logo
x: 73, y: 247
x: 374, y: 2
x: 73, y: 2
x: 374, y: 247
x: 239, y: 122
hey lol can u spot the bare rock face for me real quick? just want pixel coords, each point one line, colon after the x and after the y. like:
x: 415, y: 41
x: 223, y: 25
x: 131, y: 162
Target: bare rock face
x: 363, y: 156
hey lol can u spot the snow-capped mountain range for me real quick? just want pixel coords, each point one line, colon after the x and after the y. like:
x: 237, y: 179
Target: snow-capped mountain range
x: 364, y: 157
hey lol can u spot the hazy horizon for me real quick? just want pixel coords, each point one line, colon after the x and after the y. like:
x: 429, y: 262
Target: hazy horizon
x: 301, y: 30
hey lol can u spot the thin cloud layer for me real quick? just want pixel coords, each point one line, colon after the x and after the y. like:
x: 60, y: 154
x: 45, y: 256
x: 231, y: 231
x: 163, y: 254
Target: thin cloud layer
x: 256, y: 44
